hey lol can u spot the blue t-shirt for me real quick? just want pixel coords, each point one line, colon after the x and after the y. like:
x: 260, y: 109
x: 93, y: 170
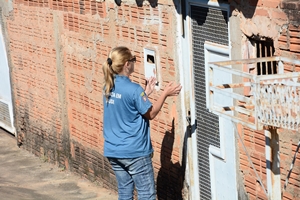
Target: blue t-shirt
x: 126, y: 131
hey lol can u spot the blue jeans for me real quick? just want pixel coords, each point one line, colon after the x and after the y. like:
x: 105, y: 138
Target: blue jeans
x: 136, y: 172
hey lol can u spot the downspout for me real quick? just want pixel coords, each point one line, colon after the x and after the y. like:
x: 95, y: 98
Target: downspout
x: 273, y: 164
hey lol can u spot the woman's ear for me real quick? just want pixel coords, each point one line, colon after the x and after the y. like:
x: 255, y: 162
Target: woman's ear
x: 127, y: 64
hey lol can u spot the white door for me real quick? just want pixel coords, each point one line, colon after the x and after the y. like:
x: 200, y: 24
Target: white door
x: 6, y: 108
x: 222, y: 160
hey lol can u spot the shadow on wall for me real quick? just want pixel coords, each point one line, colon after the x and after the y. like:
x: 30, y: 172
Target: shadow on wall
x: 291, y: 9
x: 171, y: 175
x: 247, y: 7
x: 139, y: 3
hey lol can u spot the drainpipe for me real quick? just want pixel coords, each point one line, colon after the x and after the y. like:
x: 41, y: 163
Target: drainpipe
x: 273, y: 164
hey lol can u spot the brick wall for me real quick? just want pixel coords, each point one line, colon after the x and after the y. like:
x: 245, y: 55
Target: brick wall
x: 277, y: 20
x: 254, y: 141
x: 289, y: 140
x: 35, y: 81
x: 56, y: 50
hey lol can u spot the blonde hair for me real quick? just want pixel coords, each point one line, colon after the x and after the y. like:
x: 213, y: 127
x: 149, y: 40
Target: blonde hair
x: 114, y: 64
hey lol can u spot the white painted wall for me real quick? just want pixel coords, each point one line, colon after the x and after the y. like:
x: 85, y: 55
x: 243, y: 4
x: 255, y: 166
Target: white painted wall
x: 5, y: 86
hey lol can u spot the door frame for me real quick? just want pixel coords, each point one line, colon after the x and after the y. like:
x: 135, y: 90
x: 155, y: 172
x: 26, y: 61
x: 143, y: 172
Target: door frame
x: 188, y: 60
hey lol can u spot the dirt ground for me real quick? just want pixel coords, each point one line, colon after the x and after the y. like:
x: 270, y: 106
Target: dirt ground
x: 24, y: 176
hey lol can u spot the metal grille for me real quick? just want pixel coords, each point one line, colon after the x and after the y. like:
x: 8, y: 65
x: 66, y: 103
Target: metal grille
x: 4, y: 114
x: 265, y: 49
x: 208, y: 24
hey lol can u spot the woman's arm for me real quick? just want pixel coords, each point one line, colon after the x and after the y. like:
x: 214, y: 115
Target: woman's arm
x: 170, y: 90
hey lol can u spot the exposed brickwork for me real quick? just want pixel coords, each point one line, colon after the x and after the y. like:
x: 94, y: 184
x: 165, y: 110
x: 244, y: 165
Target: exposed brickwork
x: 254, y: 142
x: 278, y: 20
x: 288, y: 144
x: 35, y: 82
x: 57, y: 49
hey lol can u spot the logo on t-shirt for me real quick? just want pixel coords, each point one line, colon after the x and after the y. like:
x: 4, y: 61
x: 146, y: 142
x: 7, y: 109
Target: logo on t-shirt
x: 113, y: 96
x: 143, y: 95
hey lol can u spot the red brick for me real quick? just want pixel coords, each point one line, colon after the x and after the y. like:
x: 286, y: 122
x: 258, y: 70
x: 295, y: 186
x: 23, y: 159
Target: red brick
x: 295, y: 47
x: 271, y: 3
x: 262, y: 12
x: 278, y: 15
x: 295, y: 40
x: 287, y: 196
x: 259, y: 148
x: 296, y: 193
x: 283, y: 37
x: 283, y: 45
x: 294, y: 28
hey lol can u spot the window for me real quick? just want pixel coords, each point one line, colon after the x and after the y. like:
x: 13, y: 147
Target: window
x: 265, y: 48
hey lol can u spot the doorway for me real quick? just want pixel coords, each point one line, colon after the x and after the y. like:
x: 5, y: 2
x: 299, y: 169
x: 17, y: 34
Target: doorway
x: 214, y: 144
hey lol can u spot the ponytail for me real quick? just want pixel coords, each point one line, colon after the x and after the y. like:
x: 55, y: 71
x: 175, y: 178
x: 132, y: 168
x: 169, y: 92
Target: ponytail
x: 109, y: 79
x: 114, y: 65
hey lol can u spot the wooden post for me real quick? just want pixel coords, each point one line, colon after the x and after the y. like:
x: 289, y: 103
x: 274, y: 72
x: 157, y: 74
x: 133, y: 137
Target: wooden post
x: 273, y: 164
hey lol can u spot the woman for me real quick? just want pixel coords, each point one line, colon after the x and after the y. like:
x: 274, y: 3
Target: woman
x: 127, y: 111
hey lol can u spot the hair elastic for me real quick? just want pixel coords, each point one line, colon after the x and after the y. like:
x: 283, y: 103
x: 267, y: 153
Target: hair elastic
x: 109, y: 61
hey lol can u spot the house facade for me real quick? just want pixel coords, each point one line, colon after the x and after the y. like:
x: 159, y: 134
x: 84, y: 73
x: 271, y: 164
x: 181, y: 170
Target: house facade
x: 53, y: 52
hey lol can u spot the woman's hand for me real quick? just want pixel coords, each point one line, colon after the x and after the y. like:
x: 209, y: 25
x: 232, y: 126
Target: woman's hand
x: 172, y: 89
x: 150, y: 84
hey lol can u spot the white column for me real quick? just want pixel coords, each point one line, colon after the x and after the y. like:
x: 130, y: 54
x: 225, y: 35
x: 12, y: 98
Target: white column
x: 273, y: 164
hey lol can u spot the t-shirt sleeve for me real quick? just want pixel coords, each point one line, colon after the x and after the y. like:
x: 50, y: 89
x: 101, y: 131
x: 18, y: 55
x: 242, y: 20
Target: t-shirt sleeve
x: 142, y: 103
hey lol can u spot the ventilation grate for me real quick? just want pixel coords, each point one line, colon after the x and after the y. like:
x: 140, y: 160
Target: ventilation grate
x: 4, y: 114
x: 208, y: 24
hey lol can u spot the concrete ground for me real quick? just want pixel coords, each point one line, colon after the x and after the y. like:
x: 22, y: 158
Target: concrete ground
x: 24, y: 176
